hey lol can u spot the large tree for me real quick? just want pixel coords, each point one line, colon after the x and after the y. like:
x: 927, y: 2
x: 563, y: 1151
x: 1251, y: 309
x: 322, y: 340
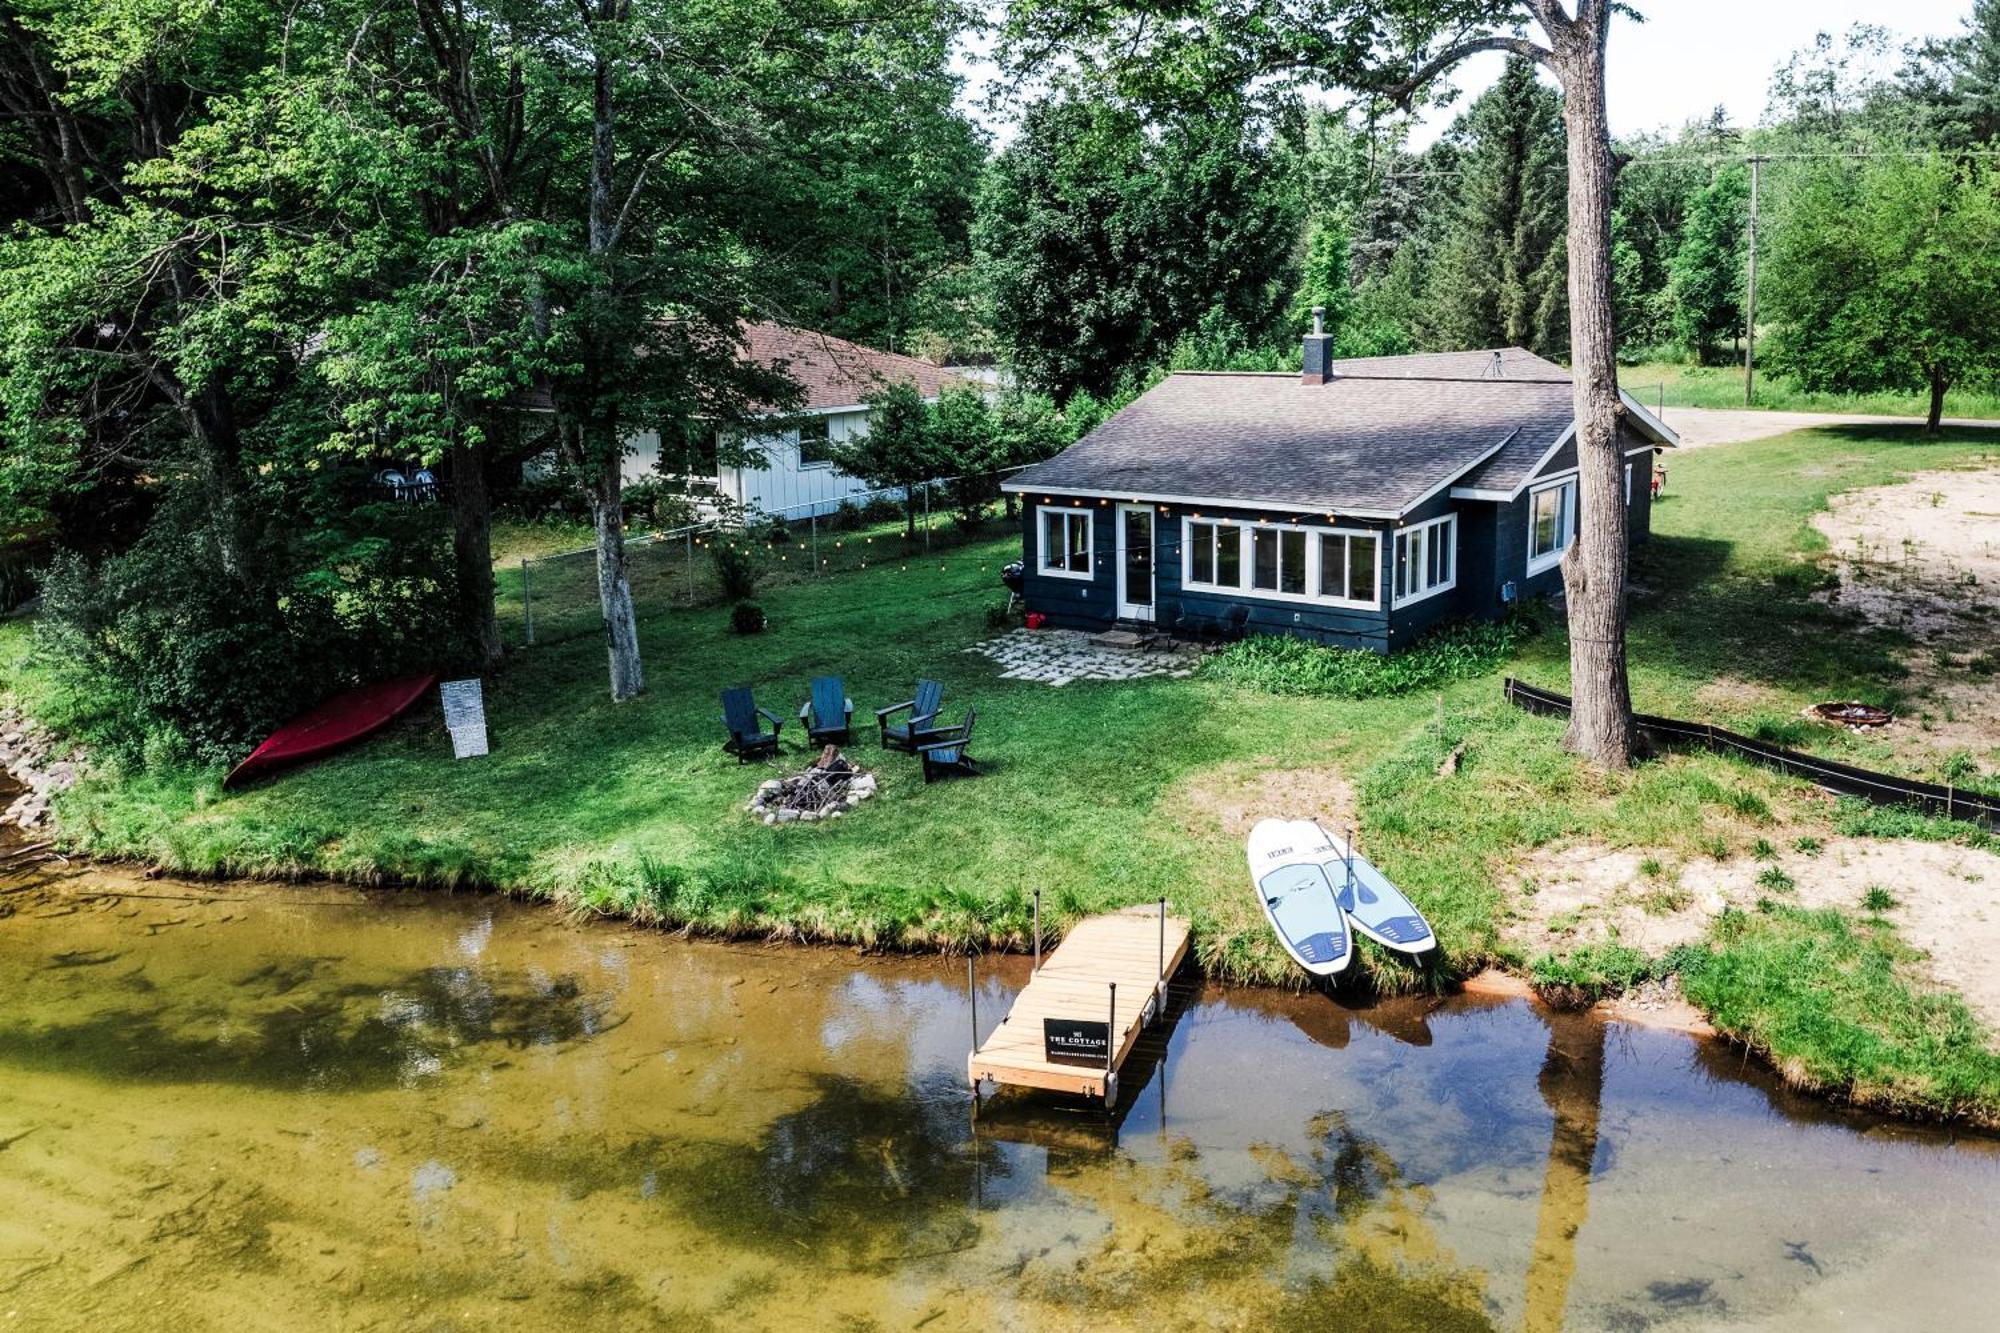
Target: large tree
x: 1102, y: 244
x: 1886, y: 275
x: 1705, y: 279
x: 1396, y: 49
x: 1498, y: 280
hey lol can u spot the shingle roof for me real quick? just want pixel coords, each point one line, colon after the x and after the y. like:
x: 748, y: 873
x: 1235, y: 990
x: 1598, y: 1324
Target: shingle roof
x: 835, y: 372
x: 1375, y: 440
x: 832, y: 371
x: 1496, y: 363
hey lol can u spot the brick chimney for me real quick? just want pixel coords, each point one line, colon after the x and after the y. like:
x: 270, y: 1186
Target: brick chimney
x: 1319, y: 351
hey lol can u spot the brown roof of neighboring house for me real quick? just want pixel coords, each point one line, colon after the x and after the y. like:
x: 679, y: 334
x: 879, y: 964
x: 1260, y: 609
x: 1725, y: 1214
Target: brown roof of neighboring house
x: 832, y: 371
x: 835, y: 372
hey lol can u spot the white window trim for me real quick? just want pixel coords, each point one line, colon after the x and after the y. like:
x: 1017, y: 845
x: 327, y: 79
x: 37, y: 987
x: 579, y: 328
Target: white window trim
x: 1042, y: 569
x: 1566, y: 521
x: 799, y: 450
x: 1247, y: 559
x: 1398, y: 600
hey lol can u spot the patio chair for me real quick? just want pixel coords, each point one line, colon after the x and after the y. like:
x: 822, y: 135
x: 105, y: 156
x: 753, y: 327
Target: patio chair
x: 828, y: 716
x: 949, y: 752
x: 923, y: 711
x: 745, y: 720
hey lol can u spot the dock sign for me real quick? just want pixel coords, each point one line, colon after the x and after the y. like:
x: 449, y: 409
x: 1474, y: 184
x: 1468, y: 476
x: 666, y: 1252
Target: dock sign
x: 465, y: 717
x: 1081, y: 1040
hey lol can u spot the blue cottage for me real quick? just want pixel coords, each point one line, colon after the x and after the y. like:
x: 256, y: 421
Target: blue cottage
x: 1357, y: 504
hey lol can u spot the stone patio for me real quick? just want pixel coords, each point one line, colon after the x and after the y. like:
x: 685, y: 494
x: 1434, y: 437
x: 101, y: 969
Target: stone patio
x: 1059, y: 656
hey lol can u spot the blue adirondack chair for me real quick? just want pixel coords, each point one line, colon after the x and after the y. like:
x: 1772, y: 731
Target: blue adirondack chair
x: 828, y: 715
x: 923, y: 711
x: 949, y: 751
x: 745, y: 720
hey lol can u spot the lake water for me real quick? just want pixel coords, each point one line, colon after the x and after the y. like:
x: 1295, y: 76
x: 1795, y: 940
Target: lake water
x: 225, y: 1107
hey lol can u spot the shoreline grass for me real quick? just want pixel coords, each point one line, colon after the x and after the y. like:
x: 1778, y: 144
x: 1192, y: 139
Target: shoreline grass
x: 1106, y: 794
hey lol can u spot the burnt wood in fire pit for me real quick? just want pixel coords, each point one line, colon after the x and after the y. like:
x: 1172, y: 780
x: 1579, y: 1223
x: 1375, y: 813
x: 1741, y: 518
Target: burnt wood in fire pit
x: 827, y: 790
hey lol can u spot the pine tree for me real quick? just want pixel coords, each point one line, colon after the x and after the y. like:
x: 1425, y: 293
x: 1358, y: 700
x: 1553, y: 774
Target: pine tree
x: 1499, y: 280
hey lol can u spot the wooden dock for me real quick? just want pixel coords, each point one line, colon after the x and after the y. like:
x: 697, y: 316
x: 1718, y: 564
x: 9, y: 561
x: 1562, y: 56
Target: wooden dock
x: 1092, y: 997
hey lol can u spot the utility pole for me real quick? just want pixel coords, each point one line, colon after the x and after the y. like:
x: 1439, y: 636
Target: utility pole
x: 1750, y: 293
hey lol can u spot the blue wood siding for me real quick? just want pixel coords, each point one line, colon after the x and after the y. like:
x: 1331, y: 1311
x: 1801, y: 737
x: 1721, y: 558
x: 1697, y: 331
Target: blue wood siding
x: 1093, y: 605
x: 1492, y: 552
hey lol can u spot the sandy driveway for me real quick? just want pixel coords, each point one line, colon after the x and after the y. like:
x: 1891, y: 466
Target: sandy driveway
x: 1700, y: 427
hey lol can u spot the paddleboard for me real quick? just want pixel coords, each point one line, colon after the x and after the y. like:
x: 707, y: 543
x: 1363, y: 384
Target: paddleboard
x: 1298, y: 901
x: 1376, y: 907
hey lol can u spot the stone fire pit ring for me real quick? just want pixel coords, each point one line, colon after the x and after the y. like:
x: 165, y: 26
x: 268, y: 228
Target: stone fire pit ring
x: 827, y: 789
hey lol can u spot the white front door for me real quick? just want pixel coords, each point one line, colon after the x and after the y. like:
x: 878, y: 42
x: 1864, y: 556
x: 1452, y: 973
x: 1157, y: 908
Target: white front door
x: 1135, y: 562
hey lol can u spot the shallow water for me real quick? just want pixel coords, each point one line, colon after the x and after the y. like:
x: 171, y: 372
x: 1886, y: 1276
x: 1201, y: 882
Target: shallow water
x: 313, y: 1107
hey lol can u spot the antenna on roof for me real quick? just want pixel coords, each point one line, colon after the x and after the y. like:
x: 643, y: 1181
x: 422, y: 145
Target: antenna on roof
x: 1494, y: 368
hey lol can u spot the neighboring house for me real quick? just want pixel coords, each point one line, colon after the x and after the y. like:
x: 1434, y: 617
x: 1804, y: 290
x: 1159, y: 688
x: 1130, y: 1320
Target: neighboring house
x: 1357, y: 504
x: 798, y: 476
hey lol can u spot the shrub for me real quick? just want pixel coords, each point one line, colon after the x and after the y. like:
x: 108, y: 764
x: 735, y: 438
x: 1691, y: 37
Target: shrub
x: 658, y: 503
x: 1878, y: 899
x: 747, y: 618
x: 737, y: 568
x: 1280, y: 664
x: 163, y: 652
x: 1000, y: 617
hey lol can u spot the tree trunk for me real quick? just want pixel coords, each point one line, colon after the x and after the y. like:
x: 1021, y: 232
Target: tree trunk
x: 1572, y: 1083
x: 1600, y: 725
x: 472, y: 556
x: 211, y: 422
x: 1934, y: 424
x: 614, y: 590
x: 909, y: 513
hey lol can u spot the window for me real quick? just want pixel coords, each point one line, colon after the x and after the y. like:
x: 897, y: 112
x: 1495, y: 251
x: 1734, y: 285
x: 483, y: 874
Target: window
x: 1426, y: 559
x: 1281, y: 562
x: 1347, y: 567
x: 1215, y: 555
x: 1066, y: 543
x: 815, y: 442
x: 1551, y: 524
x: 1278, y: 562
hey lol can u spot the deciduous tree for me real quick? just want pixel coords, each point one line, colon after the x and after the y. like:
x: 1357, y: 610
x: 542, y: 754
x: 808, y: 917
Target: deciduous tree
x: 1885, y: 274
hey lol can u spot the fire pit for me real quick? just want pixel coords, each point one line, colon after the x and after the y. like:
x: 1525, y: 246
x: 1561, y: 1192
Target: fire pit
x: 827, y: 790
x: 1853, y: 716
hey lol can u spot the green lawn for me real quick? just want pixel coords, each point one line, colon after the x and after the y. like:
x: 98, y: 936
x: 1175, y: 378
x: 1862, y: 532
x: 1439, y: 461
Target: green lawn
x: 1103, y: 794
x: 1722, y: 386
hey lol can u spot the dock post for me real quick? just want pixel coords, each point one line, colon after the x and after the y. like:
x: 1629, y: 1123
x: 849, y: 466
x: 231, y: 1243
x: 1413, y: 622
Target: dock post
x: 1038, y: 930
x: 972, y: 995
x: 1160, y: 991
x: 1111, y: 1044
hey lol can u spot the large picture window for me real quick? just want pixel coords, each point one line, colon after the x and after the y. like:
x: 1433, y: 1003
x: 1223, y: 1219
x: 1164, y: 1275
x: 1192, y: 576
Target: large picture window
x: 1066, y: 543
x: 1427, y: 559
x: 1551, y: 524
x: 1282, y: 562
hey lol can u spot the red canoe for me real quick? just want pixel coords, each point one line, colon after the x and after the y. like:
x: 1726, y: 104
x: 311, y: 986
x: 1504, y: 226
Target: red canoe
x: 341, y: 720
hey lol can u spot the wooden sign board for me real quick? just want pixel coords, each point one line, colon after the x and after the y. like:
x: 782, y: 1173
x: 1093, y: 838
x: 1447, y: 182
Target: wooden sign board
x: 1075, y: 1041
x: 465, y: 717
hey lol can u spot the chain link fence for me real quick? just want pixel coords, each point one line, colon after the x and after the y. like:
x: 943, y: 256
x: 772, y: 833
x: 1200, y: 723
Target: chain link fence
x: 552, y: 598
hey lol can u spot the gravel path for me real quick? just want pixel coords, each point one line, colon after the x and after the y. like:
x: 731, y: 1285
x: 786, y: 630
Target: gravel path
x: 1700, y: 427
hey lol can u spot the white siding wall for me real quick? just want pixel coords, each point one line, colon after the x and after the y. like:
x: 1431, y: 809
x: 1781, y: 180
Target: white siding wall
x: 783, y: 483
